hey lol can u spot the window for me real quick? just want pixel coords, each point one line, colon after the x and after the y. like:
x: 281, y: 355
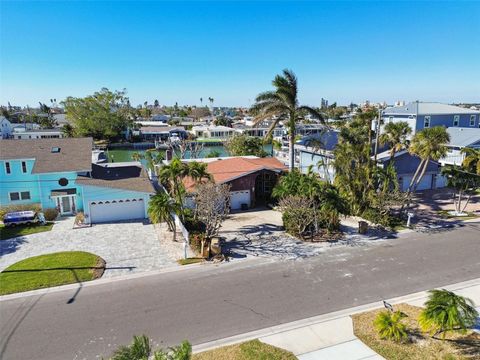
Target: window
x: 55, y: 150
x: 15, y: 196
x: 25, y: 195
x: 472, y: 120
x: 426, y: 122
x: 8, y: 170
x: 456, y: 120
x: 24, y: 167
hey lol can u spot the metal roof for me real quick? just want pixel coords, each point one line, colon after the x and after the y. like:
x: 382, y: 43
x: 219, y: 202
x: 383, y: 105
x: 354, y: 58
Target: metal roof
x: 429, y: 108
x: 463, y: 137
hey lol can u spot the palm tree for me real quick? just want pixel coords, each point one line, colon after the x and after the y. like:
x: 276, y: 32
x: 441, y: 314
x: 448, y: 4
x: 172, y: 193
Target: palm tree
x: 446, y: 312
x: 472, y: 160
x: 395, y: 135
x: 389, y: 326
x: 201, y: 102
x: 428, y: 144
x: 173, y: 174
x: 161, y: 209
x: 139, y: 349
x: 282, y: 103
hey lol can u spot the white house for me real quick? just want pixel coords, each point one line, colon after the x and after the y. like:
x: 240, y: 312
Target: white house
x: 460, y: 138
x: 20, y: 133
x: 5, y: 127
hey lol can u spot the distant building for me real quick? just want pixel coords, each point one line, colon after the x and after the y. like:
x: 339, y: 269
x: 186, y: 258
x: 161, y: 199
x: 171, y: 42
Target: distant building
x: 20, y: 133
x: 324, y: 103
x: 5, y: 128
x: 420, y: 115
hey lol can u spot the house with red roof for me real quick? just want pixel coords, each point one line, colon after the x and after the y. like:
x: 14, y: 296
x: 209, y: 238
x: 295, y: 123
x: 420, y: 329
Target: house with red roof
x: 251, y: 179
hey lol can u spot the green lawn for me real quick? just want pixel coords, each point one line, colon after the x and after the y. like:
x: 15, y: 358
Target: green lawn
x: 250, y: 350
x: 51, y: 270
x: 11, y: 232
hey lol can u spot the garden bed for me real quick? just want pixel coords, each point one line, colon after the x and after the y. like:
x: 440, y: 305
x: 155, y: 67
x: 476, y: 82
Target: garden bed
x: 420, y: 346
x: 51, y: 270
x: 250, y: 350
x: 22, y: 230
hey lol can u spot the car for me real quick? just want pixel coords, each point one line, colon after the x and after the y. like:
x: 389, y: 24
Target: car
x: 23, y: 218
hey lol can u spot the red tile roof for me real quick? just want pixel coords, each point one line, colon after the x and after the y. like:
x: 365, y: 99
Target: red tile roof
x: 226, y: 170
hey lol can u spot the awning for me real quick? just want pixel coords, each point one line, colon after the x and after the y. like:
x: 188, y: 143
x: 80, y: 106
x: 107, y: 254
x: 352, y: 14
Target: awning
x: 63, y: 192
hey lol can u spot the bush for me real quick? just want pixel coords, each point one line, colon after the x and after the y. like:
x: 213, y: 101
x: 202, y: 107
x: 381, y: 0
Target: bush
x: 80, y: 218
x: 196, y: 239
x: 50, y: 214
x: 20, y: 207
x: 389, y: 326
x: 298, y: 221
x: 384, y: 219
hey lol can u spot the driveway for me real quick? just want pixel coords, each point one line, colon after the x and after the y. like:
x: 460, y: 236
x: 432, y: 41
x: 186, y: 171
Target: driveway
x: 259, y: 232
x: 127, y: 247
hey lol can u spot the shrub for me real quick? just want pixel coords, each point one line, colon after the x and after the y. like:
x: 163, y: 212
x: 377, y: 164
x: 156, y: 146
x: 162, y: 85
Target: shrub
x: 446, y: 312
x: 80, y: 218
x: 50, y: 214
x: 141, y: 349
x: 389, y: 326
x: 196, y: 239
x: 20, y: 207
x: 298, y: 215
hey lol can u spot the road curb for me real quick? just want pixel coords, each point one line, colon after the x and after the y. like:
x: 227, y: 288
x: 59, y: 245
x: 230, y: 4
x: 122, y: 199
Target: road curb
x: 273, y: 330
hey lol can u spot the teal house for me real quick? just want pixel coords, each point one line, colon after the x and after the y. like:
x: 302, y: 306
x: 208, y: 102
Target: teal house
x: 58, y: 173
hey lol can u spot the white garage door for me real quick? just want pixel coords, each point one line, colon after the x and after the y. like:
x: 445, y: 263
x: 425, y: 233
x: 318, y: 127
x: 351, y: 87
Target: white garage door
x: 237, y: 198
x: 425, y: 183
x: 115, y: 210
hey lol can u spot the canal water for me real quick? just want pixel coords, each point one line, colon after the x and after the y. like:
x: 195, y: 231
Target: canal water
x: 119, y: 154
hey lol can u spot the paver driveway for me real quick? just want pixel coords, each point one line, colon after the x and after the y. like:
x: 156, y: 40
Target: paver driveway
x: 127, y: 247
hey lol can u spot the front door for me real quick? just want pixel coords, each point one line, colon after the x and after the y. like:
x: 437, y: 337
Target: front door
x: 66, y: 205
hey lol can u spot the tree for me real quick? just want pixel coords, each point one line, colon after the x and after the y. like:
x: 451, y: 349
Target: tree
x: 68, y: 130
x: 212, y: 206
x: 141, y: 349
x: 156, y: 104
x: 46, y: 119
x: 282, y: 105
x: 243, y: 145
x: 153, y: 158
x: 395, y: 135
x: 173, y: 174
x: 103, y: 115
x: 161, y: 209
x: 447, y: 312
x: 389, y: 326
x: 472, y: 160
x: 136, y: 156
x: 464, y: 184
x: 222, y: 121
x: 298, y: 214
x: 428, y: 144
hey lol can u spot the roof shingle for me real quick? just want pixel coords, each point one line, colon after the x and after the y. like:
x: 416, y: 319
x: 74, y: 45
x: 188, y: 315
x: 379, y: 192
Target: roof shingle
x: 75, y: 153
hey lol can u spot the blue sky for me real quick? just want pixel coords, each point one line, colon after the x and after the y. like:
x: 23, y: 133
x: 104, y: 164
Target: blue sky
x: 181, y: 51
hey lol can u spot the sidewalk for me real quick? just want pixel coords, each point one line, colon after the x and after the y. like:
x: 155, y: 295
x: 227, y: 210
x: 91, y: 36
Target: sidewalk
x: 330, y: 336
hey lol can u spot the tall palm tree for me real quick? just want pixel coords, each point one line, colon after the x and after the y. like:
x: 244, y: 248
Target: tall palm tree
x: 395, y: 135
x: 173, y: 174
x: 445, y: 312
x: 472, y: 160
x: 428, y: 144
x: 160, y: 210
x: 282, y: 103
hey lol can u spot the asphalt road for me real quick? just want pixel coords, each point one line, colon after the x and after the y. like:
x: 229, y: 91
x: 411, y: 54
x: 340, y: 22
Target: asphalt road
x: 211, y: 302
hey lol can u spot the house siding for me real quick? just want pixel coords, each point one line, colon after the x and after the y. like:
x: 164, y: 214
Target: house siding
x: 40, y: 186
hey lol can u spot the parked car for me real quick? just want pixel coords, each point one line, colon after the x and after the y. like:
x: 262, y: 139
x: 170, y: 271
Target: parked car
x: 23, y: 218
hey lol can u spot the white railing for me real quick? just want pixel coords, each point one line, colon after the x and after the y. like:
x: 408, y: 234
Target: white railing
x: 182, y: 227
